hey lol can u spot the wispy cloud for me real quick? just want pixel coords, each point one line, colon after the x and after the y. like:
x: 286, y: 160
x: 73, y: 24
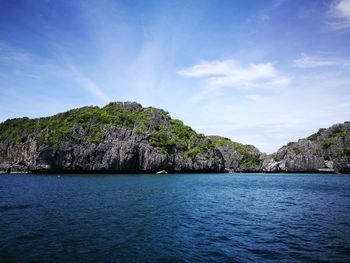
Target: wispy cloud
x: 277, y: 4
x: 339, y: 14
x: 307, y: 61
x: 87, y: 83
x: 12, y: 55
x: 267, y: 12
x: 269, y: 120
x: 229, y: 73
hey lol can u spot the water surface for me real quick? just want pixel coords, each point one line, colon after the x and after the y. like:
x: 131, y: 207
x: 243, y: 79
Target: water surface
x: 175, y: 218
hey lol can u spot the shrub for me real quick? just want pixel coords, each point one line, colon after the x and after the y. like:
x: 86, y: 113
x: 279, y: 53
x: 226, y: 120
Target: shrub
x: 298, y: 150
x: 313, y: 137
x: 346, y: 152
x: 162, y: 140
x: 327, y: 143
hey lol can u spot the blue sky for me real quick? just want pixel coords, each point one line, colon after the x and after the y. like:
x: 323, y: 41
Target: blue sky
x: 258, y: 72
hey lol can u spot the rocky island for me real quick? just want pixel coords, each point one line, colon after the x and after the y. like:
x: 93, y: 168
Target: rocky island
x: 125, y: 137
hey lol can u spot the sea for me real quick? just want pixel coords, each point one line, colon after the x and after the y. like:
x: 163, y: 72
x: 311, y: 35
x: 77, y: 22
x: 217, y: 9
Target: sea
x: 175, y: 218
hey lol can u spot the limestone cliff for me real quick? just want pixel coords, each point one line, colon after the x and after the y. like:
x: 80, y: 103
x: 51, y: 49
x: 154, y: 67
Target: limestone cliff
x: 126, y: 137
x: 120, y: 137
x: 328, y: 150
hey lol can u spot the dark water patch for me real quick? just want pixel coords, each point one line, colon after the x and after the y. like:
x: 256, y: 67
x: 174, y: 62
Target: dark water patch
x: 4, y: 208
x: 170, y: 259
x: 30, y: 236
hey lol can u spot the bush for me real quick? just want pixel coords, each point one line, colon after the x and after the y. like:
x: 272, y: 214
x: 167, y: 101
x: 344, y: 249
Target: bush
x: 162, y: 140
x: 313, y: 137
x: 298, y: 150
x: 338, y: 133
x: 182, y: 137
x: 346, y: 152
x: 327, y: 143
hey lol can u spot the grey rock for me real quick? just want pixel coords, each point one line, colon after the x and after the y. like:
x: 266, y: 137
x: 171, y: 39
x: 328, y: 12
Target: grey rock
x: 325, y: 151
x: 126, y: 149
x: 121, y: 149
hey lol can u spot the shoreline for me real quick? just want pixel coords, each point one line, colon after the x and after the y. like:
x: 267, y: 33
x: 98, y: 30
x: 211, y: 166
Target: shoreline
x: 79, y: 172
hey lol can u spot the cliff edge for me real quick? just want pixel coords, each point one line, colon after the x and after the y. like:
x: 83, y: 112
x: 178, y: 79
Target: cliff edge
x: 120, y: 137
x: 126, y: 137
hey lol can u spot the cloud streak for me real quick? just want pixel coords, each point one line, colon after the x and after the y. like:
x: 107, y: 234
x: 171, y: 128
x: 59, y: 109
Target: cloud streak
x: 307, y: 61
x: 87, y: 83
x: 230, y: 74
x: 9, y: 55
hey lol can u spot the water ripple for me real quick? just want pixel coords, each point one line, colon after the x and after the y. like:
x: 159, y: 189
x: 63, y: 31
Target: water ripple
x: 175, y: 218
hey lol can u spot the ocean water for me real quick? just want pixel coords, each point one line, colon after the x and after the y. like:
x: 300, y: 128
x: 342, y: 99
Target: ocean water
x: 175, y: 218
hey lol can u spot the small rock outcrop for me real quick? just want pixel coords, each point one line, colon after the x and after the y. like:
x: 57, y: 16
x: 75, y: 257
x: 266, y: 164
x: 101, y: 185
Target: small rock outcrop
x: 328, y: 150
x: 238, y: 157
x: 162, y: 172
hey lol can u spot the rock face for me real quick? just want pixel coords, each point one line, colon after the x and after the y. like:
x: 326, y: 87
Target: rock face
x: 126, y: 137
x: 120, y: 137
x: 239, y: 157
x: 328, y: 150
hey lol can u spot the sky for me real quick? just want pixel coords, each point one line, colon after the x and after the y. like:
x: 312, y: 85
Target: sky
x: 258, y: 72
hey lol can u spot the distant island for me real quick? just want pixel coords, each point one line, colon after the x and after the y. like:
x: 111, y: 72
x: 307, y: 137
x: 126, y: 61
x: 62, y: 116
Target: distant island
x: 124, y: 137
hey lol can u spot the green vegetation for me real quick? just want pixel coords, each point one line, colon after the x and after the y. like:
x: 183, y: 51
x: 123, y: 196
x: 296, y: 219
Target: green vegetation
x: 298, y: 150
x: 162, y: 140
x: 163, y: 114
x: 338, y: 133
x: 346, y: 152
x: 16, y: 128
x: 249, y: 158
x: 179, y: 136
x: 53, y: 129
x: 327, y: 143
x: 313, y: 137
x: 166, y: 134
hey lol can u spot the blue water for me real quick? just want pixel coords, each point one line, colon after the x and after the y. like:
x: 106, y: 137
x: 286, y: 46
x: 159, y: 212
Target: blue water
x: 175, y: 218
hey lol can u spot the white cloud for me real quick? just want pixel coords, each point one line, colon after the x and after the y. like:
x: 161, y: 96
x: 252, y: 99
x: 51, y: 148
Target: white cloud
x: 268, y: 119
x: 307, y: 61
x: 339, y: 14
x: 229, y: 73
x: 254, y: 97
x: 342, y: 8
